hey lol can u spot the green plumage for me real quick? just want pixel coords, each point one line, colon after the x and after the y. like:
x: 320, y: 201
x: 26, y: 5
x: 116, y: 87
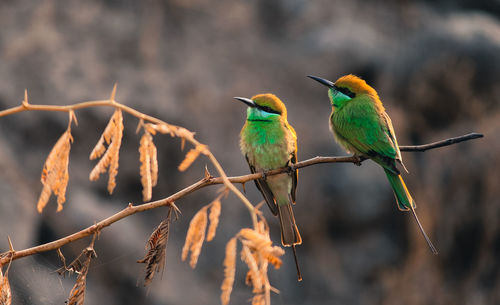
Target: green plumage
x: 268, y: 142
x: 401, y: 193
x: 361, y: 125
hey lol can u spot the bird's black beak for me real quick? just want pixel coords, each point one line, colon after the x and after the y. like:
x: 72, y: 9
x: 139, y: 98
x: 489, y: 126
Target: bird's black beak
x: 323, y: 81
x: 247, y: 101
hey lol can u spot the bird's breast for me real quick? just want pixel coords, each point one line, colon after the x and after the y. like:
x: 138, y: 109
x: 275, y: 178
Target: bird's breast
x: 266, y: 147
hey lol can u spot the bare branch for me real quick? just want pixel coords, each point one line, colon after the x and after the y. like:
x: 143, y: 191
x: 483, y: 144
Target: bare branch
x: 206, y: 181
x: 450, y: 141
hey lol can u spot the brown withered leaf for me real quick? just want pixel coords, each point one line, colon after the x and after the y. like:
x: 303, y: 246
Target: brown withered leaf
x: 229, y: 271
x: 195, y: 236
x: 77, y: 265
x: 258, y: 299
x: 77, y: 293
x: 149, y: 165
x: 254, y: 271
x: 112, y: 136
x: 191, y: 156
x: 80, y: 266
x: 55, y: 173
x: 5, y: 292
x: 155, y: 258
x: 215, y: 208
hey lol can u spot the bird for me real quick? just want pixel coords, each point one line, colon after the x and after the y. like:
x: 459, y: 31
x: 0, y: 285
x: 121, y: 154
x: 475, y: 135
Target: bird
x: 268, y: 142
x: 361, y: 126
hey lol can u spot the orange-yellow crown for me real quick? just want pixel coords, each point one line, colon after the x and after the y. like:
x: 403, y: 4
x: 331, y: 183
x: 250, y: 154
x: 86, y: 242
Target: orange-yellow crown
x: 272, y: 101
x: 356, y: 85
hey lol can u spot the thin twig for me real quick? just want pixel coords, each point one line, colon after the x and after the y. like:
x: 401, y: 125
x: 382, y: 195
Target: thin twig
x: 442, y: 143
x: 206, y: 181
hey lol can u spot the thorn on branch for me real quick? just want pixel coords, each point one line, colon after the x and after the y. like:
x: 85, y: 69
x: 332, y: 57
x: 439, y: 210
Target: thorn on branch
x: 177, y: 211
x: 11, y: 247
x: 25, y: 101
x: 113, y: 94
x: 207, y: 175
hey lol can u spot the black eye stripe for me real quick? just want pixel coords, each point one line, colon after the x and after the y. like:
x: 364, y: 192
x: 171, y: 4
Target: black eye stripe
x: 345, y: 91
x: 268, y: 109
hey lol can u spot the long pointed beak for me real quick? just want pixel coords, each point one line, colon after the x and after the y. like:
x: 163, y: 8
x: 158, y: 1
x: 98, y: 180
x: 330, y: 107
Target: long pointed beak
x: 245, y: 100
x: 323, y: 81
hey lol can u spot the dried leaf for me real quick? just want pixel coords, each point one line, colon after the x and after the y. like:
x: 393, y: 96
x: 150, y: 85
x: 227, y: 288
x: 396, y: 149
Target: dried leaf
x: 149, y: 165
x: 215, y: 208
x: 195, y: 236
x: 112, y: 135
x: 249, y: 259
x: 229, y: 271
x: 155, y: 258
x: 258, y: 299
x: 191, y: 156
x: 5, y: 292
x: 154, y: 163
x: 55, y: 173
x: 77, y: 294
x: 145, y: 169
x: 272, y: 257
x: 256, y: 240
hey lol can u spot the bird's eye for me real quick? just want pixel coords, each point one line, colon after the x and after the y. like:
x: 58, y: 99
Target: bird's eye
x: 345, y: 91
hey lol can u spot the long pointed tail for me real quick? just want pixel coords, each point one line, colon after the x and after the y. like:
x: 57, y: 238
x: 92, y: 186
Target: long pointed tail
x: 405, y: 202
x: 290, y: 236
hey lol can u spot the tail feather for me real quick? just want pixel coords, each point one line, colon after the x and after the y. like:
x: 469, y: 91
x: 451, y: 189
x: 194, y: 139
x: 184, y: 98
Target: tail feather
x: 403, y: 197
x: 405, y: 202
x: 290, y: 236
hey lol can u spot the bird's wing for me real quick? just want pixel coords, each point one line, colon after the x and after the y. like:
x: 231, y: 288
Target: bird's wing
x: 392, y: 136
x: 265, y: 190
x: 366, y: 129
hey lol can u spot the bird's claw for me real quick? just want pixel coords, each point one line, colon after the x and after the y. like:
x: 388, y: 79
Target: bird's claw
x: 357, y: 160
x: 264, y: 175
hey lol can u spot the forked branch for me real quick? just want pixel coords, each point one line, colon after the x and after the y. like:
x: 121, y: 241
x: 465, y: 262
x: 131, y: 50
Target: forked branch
x: 206, y: 181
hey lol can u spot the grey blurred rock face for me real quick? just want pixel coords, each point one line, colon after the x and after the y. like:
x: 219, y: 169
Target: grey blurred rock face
x: 434, y: 64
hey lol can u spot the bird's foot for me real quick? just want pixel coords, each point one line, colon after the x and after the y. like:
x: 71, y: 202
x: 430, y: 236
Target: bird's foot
x: 357, y: 159
x: 264, y: 175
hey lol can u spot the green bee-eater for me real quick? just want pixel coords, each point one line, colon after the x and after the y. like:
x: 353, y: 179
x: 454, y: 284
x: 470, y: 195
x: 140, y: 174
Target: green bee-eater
x: 361, y: 125
x: 268, y: 142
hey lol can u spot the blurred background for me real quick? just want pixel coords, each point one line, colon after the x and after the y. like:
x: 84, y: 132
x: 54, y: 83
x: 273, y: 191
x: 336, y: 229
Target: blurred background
x: 434, y: 63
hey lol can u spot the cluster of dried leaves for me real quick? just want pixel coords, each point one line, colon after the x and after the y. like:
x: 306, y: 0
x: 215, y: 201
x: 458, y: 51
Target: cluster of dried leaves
x: 198, y: 229
x: 257, y: 252
x: 55, y: 174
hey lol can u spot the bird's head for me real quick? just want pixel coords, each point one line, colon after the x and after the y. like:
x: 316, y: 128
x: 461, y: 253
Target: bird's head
x: 346, y: 89
x: 264, y: 107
